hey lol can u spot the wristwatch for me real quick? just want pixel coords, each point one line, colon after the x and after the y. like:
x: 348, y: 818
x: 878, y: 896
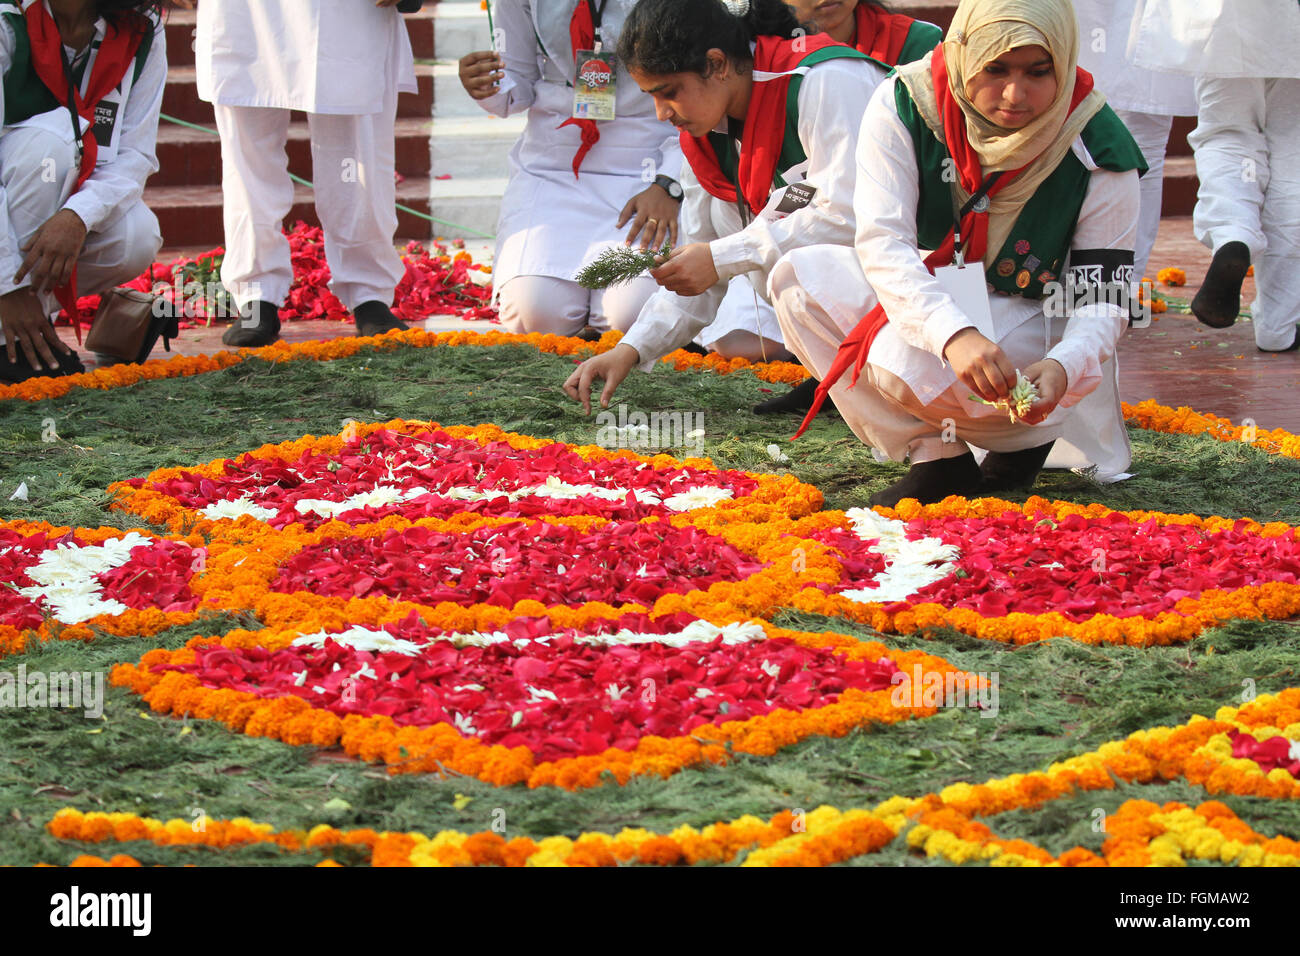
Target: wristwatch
x: 671, y: 186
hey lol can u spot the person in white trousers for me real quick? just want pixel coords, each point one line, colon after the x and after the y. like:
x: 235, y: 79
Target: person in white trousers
x: 1145, y: 100
x: 1246, y: 57
x: 46, y: 225
x: 561, y: 209
x: 343, y: 64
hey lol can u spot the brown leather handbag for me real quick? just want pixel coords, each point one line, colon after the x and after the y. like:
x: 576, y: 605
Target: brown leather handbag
x: 128, y: 323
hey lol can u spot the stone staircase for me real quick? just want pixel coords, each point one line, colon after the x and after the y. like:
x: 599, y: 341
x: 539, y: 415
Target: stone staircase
x: 469, y: 145
x: 452, y: 154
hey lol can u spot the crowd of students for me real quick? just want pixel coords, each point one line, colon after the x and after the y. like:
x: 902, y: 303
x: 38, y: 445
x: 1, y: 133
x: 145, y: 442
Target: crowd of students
x: 952, y: 258
x: 896, y: 209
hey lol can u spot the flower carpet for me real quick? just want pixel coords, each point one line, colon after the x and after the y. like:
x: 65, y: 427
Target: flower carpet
x: 436, y: 608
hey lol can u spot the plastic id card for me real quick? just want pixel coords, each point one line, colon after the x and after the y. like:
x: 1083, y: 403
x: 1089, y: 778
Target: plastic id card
x: 594, y: 85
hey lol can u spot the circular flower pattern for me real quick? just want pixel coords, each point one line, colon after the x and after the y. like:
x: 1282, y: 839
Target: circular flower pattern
x: 1078, y: 566
x: 1021, y: 573
x: 527, y: 611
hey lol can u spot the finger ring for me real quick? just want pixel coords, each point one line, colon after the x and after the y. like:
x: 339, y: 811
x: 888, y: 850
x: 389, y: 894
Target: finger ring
x: 652, y: 222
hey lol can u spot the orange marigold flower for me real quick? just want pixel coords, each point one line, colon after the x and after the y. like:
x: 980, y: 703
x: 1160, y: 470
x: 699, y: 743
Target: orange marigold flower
x: 660, y: 851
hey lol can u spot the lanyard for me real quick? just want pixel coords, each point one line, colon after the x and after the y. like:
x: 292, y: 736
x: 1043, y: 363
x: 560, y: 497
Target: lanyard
x: 736, y: 132
x: 978, y: 202
x: 72, y: 102
x: 597, y: 14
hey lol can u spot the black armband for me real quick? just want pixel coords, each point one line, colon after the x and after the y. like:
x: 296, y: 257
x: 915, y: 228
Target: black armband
x: 1096, y: 276
x: 1099, y: 267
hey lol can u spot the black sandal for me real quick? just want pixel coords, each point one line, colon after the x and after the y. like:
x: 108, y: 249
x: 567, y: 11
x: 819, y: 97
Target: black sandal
x: 799, y: 399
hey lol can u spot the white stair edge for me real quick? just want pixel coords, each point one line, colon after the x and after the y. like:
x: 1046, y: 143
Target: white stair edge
x: 449, y: 97
x: 465, y: 10
x: 470, y: 187
x: 482, y: 126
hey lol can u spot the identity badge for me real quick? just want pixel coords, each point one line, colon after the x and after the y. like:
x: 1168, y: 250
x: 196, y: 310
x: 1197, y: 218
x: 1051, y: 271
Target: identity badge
x: 594, y: 85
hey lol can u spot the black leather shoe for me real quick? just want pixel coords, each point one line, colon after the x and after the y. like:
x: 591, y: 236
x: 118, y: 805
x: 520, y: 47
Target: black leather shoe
x: 799, y: 399
x: 1219, y: 300
x: 931, y: 481
x: 242, y: 333
x: 375, y: 318
x: 1012, y: 470
x: 11, y: 373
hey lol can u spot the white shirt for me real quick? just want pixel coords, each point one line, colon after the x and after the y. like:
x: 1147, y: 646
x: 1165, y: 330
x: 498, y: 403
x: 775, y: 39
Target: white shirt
x: 831, y: 100
x: 922, y: 316
x: 116, y: 183
x: 320, y: 56
x: 552, y: 223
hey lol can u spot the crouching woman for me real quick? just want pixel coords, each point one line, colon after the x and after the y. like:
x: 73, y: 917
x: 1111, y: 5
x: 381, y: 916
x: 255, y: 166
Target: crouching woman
x: 72, y: 171
x: 993, y: 153
x: 768, y: 118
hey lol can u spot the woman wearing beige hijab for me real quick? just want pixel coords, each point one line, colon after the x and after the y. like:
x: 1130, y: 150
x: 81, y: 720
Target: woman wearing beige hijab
x: 993, y: 153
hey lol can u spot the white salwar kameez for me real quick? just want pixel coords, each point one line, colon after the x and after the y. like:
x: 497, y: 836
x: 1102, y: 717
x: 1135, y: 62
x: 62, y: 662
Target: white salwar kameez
x: 343, y: 64
x: 831, y: 99
x: 553, y: 223
x: 1246, y: 57
x: 908, y: 402
x: 38, y: 169
x: 743, y: 309
x: 1145, y: 100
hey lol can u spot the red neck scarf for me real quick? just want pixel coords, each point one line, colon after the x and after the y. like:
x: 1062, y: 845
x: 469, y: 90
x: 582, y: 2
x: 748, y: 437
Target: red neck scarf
x: 764, y: 125
x: 114, y: 57
x: 582, y: 36
x: 880, y: 34
x: 975, y: 225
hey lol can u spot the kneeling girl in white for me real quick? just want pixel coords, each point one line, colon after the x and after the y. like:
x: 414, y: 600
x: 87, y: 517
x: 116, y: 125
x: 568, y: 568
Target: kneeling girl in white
x: 769, y: 118
x: 995, y: 144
